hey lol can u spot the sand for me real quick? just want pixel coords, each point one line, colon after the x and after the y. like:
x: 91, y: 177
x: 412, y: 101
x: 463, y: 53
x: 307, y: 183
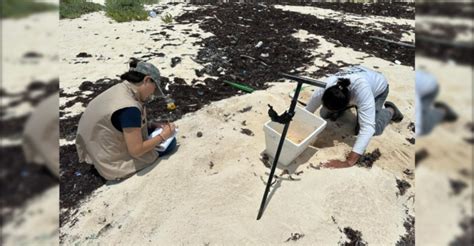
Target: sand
x: 438, y: 211
x: 37, y: 33
x: 96, y: 34
x: 183, y: 199
x: 36, y: 222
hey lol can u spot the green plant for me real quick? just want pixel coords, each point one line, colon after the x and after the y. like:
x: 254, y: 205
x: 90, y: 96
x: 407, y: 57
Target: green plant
x: 125, y: 10
x: 22, y: 8
x: 71, y: 9
x: 167, y: 19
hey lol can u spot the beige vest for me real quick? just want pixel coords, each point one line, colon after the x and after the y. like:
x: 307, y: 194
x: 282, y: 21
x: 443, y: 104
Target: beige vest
x: 41, y: 135
x: 99, y: 143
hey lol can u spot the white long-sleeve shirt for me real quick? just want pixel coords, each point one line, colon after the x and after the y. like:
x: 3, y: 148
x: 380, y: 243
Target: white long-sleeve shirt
x: 366, y: 84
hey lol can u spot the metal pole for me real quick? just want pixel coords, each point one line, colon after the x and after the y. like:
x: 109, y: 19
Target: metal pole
x: 304, y: 80
x: 393, y: 42
x: 462, y: 45
x: 291, y: 111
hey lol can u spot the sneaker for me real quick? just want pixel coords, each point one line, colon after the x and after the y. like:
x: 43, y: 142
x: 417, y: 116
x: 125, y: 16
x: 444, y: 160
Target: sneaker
x: 450, y: 115
x: 397, y: 115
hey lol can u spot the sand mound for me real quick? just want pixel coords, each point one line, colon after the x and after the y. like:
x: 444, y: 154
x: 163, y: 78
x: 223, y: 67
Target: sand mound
x: 210, y: 189
x: 444, y: 176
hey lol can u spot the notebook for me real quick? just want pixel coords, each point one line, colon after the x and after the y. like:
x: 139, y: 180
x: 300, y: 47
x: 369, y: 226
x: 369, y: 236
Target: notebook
x: 165, y: 144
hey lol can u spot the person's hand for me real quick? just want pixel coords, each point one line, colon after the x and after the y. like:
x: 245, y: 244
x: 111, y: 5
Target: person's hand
x: 157, y: 124
x: 154, y: 125
x: 351, y: 160
x: 168, y: 130
x: 336, y: 164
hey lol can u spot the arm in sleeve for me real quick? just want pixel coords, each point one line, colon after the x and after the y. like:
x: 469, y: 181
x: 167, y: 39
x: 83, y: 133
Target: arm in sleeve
x: 366, y: 111
x: 315, y: 101
x: 130, y: 118
x: 137, y: 146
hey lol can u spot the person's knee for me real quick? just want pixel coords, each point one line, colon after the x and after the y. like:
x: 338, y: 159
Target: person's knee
x: 173, y: 144
x: 379, y: 127
x: 170, y: 149
x: 382, y: 119
x: 378, y: 130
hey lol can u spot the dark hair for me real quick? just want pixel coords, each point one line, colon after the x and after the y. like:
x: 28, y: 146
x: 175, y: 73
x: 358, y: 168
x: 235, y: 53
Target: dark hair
x: 337, y: 97
x: 133, y: 76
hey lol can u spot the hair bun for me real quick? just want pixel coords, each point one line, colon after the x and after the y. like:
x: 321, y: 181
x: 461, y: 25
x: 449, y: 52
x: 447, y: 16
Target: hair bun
x: 133, y: 62
x: 343, y: 82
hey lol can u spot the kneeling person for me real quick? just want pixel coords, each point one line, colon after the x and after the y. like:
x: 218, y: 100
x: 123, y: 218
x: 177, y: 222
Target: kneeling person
x: 365, y: 89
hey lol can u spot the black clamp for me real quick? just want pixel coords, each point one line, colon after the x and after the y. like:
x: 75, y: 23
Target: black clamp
x: 282, y: 119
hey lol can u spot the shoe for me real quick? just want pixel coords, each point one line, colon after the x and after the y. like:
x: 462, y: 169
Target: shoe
x: 397, y: 115
x: 450, y: 115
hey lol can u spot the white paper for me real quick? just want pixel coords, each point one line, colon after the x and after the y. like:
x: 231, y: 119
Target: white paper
x: 165, y: 144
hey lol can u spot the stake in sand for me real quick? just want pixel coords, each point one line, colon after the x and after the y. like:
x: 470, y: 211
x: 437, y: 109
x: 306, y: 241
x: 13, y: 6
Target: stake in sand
x: 285, y: 119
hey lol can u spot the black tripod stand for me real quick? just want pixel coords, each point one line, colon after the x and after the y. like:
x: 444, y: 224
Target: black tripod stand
x: 285, y: 119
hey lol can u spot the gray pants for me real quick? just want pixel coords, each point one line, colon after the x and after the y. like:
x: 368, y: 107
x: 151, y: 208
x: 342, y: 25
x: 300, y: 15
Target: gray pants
x: 382, y: 115
x: 431, y: 115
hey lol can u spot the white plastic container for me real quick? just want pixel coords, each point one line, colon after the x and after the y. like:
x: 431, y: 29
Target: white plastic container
x: 304, y: 129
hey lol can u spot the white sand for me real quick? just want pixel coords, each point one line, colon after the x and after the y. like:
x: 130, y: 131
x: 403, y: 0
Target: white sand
x: 106, y: 49
x: 37, y: 221
x: 438, y: 211
x: 181, y: 200
x: 74, y: 40
x: 36, y: 33
x: 450, y: 151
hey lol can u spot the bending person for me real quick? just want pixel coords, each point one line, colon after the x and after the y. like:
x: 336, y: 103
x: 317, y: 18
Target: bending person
x: 365, y: 89
x: 428, y: 112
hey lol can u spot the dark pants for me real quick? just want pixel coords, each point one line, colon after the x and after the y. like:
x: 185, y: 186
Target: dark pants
x: 168, y: 150
x: 431, y: 115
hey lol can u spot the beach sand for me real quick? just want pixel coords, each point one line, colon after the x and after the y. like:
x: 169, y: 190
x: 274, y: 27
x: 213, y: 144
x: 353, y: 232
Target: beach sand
x: 439, y: 212
x: 35, y: 222
x: 209, y: 191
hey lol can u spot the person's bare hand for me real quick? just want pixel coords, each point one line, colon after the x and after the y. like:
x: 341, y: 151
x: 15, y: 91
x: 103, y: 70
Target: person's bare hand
x: 158, y: 124
x: 168, y: 130
x: 336, y: 164
x: 155, y: 124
